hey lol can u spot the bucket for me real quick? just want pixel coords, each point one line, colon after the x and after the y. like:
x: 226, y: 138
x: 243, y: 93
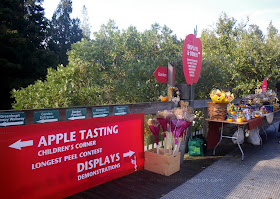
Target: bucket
x: 217, y: 111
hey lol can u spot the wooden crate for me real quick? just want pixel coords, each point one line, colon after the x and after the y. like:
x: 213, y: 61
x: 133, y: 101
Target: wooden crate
x: 163, y: 164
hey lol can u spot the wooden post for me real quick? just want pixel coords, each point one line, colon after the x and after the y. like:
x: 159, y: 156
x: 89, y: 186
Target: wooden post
x: 171, y: 77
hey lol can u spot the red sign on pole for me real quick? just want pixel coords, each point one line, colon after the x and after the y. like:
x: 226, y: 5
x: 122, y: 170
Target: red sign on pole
x: 192, y: 58
x: 161, y: 74
x: 264, y: 84
x: 55, y: 160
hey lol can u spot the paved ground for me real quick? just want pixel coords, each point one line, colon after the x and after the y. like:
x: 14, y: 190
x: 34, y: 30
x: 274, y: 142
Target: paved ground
x: 257, y: 176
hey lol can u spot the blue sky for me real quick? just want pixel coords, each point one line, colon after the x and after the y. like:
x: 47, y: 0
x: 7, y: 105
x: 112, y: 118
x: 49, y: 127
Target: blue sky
x: 181, y: 16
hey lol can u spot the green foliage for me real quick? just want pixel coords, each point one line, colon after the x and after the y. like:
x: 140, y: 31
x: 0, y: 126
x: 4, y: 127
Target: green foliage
x: 115, y: 67
x: 238, y: 57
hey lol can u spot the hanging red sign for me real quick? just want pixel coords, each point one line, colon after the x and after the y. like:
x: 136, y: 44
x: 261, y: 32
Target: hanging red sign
x: 55, y: 160
x: 161, y: 74
x: 192, y: 58
x: 264, y: 84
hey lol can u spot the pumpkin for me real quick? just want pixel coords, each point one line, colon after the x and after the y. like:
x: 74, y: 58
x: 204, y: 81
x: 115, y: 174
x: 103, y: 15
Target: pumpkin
x: 164, y: 99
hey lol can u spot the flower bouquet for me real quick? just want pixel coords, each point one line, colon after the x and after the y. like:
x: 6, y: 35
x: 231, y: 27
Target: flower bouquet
x: 154, y: 127
x: 174, y: 124
x: 220, y: 96
x: 177, y: 128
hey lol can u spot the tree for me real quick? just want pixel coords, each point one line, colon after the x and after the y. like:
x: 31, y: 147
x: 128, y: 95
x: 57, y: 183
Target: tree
x: 271, y: 31
x: 23, y: 55
x: 241, y: 55
x: 272, y: 54
x: 218, y: 45
x: 64, y: 31
x: 85, y: 26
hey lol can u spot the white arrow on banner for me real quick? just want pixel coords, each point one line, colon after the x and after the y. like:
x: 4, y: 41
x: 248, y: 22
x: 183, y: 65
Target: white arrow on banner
x: 128, y: 154
x: 11, y: 123
x: 18, y: 144
x: 77, y: 118
x: 48, y: 120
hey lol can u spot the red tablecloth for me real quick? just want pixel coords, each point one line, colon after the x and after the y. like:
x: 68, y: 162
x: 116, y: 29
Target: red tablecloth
x: 213, y: 134
x: 254, y: 123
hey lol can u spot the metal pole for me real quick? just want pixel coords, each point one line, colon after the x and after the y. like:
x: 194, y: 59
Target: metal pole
x: 191, y: 96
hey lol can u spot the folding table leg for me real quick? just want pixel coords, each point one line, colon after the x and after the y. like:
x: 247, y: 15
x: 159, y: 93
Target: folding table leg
x: 242, y: 158
x: 240, y: 131
x: 264, y: 133
x: 274, y: 127
x: 221, y: 137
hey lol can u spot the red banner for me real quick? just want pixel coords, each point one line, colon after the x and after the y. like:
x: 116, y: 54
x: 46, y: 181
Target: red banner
x: 55, y: 160
x: 192, y: 59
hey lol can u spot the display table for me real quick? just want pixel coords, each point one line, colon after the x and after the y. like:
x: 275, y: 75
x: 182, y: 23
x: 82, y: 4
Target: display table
x: 211, y: 123
x: 215, y: 135
x: 214, y: 125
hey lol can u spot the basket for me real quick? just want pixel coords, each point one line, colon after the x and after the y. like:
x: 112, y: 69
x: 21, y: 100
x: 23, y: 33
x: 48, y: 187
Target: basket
x: 217, y: 111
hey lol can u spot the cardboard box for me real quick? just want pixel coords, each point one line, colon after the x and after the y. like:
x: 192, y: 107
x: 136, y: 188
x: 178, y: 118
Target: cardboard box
x: 163, y: 164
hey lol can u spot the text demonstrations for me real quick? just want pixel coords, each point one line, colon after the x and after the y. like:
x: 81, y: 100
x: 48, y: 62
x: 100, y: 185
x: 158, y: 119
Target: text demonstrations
x: 98, y: 162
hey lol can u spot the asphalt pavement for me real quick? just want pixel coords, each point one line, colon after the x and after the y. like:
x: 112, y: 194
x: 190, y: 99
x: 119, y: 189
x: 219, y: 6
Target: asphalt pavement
x: 257, y: 176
